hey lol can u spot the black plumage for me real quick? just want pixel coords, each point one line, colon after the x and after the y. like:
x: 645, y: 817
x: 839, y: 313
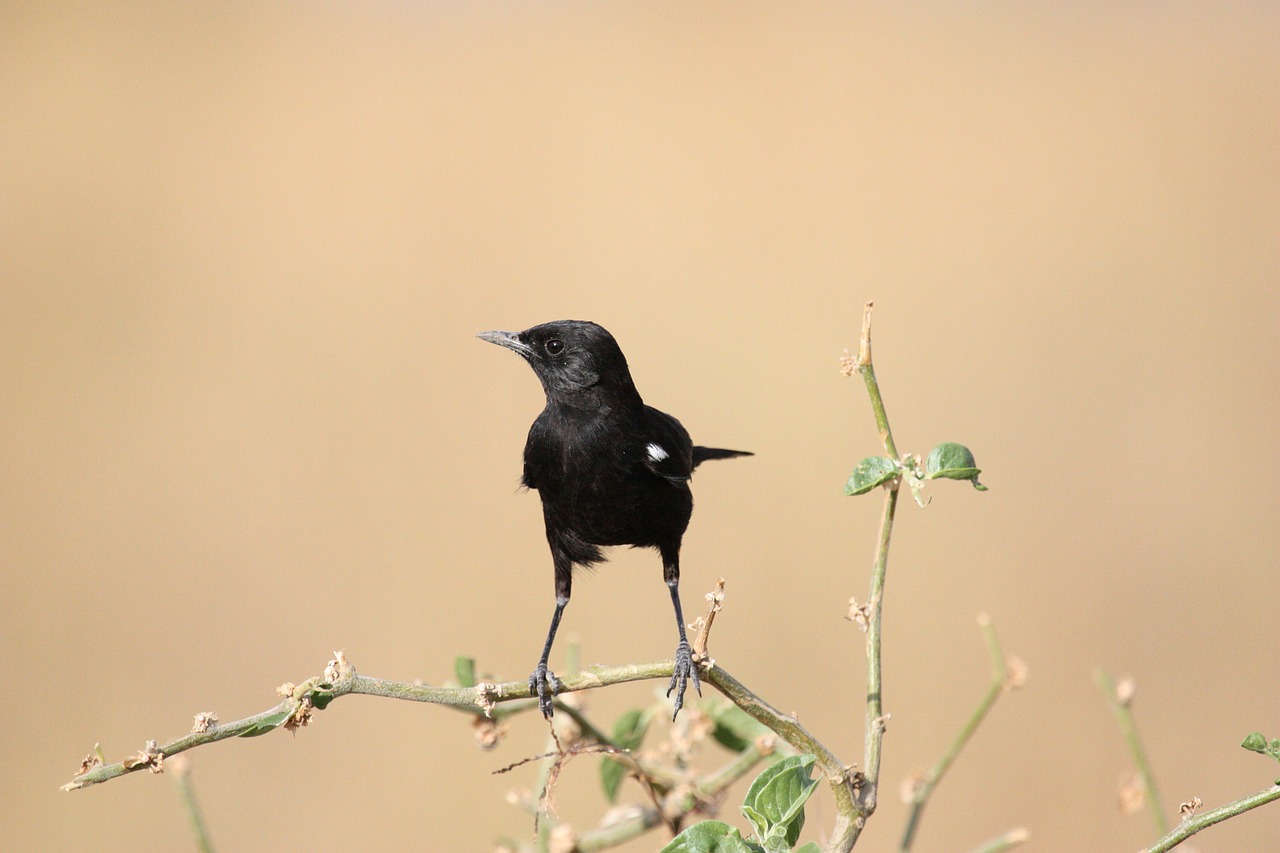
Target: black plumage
x: 609, y: 469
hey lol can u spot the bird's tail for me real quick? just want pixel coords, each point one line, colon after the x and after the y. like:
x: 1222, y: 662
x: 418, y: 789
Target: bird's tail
x: 702, y: 454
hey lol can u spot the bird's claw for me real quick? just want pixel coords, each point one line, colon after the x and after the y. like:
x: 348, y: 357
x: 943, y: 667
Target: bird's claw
x: 544, y: 684
x: 684, y: 672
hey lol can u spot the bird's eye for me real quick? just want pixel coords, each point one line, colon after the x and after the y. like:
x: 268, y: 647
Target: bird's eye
x: 555, y: 346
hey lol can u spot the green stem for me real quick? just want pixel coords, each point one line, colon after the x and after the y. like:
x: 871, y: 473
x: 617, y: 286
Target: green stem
x: 614, y: 835
x: 868, y: 371
x: 1193, y: 825
x: 485, y: 696
x: 185, y: 789
x: 713, y: 783
x: 1124, y: 715
x: 934, y: 776
x: 875, y: 721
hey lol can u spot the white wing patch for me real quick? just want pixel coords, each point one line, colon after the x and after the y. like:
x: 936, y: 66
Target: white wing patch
x: 656, y: 452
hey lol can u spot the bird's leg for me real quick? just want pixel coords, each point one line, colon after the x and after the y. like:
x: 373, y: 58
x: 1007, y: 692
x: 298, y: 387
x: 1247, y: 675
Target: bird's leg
x: 543, y: 683
x: 684, y: 668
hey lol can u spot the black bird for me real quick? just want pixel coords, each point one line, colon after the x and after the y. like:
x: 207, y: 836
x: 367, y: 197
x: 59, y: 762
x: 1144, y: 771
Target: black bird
x: 610, y: 470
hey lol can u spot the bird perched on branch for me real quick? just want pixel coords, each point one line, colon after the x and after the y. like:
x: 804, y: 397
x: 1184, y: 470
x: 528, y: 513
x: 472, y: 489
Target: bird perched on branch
x: 610, y: 470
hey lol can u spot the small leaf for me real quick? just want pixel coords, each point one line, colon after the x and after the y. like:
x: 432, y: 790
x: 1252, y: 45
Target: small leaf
x: 811, y: 847
x: 320, y: 699
x: 953, y: 461
x: 266, y: 724
x: 1256, y: 742
x: 464, y: 670
x: 628, y: 733
x: 871, y: 472
x: 710, y: 836
x: 776, y: 798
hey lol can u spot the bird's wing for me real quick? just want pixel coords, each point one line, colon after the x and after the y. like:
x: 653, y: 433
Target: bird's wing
x: 667, y: 449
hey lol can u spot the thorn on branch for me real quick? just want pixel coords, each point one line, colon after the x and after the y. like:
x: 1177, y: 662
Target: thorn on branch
x: 92, y: 760
x: 848, y: 364
x: 149, y: 756
x: 1131, y: 795
x: 1016, y: 673
x: 204, y: 721
x: 859, y: 614
x: 485, y: 697
x: 338, y: 668
x: 1189, y: 808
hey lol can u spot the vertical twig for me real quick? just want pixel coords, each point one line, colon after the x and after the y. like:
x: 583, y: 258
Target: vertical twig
x: 1120, y: 701
x: 182, y: 776
x: 1000, y: 681
x: 875, y: 717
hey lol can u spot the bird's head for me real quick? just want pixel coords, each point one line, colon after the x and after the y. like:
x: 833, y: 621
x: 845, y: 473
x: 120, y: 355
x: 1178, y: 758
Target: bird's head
x: 575, y: 360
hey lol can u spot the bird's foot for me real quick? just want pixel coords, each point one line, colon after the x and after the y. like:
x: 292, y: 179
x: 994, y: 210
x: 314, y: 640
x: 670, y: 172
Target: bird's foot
x: 685, y: 671
x: 544, y: 684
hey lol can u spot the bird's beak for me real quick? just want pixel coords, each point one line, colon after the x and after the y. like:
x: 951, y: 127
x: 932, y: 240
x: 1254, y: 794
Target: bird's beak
x: 509, y: 340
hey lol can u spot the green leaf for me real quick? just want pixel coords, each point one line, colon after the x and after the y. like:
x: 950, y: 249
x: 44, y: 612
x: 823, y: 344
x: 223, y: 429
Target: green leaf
x: 710, y: 836
x: 1257, y: 742
x: 871, y: 472
x: 776, y: 798
x: 266, y: 724
x: 628, y: 733
x: 953, y: 462
x: 464, y: 670
x: 811, y: 847
x: 735, y: 729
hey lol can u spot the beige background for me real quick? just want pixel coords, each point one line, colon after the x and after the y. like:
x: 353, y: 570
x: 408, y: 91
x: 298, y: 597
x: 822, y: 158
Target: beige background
x: 245, y: 422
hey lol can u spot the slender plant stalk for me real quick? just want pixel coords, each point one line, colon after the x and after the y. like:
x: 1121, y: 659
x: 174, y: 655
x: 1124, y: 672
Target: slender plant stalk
x: 875, y: 719
x: 1192, y: 825
x: 1124, y: 715
x: 477, y: 700
x: 934, y: 776
x: 616, y: 834
x: 868, y: 371
x: 182, y: 775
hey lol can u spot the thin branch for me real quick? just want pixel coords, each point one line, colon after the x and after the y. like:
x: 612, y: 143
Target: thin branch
x: 713, y: 783
x: 479, y: 699
x: 875, y: 716
x: 868, y: 371
x: 1120, y: 698
x: 615, y: 834
x: 1192, y: 825
x: 1001, y: 680
x: 182, y: 775
x: 342, y: 679
x: 798, y: 737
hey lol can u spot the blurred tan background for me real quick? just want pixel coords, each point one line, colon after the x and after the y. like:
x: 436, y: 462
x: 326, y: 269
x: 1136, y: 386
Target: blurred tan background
x: 245, y: 422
